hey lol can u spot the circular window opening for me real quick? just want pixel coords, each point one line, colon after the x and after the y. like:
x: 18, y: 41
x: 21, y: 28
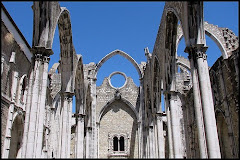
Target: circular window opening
x: 117, y: 80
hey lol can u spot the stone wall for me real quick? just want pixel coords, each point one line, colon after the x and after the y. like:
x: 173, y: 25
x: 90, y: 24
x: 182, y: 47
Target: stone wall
x: 117, y: 117
x: 21, y: 66
x: 224, y: 76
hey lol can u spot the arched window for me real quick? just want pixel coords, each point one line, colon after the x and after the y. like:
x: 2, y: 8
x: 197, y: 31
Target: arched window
x: 115, y: 144
x: 121, y: 142
x: 23, y: 89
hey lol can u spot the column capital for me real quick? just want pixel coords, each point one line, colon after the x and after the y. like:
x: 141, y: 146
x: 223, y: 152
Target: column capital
x: 67, y: 96
x: 79, y: 116
x: 196, y: 51
x: 45, y: 59
x: 42, y: 50
x: 38, y: 57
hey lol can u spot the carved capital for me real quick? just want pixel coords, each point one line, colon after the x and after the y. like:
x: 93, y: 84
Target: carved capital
x: 45, y: 59
x: 38, y: 57
x: 197, y: 51
x: 80, y: 117
x: 68, y: 96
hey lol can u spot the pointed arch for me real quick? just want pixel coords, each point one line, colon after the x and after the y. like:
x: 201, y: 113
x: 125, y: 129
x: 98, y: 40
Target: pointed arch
x: 22, y: 90
x: 121, y: 53
x: 16, y: 135
x: 215, y: 33
x: 79, y: 85
x: 104, y: 108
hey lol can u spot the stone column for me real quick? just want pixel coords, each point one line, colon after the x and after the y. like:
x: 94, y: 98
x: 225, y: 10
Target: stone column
x: 33, y: 108
x: 175, y: 105
x: 42, y: 103
x: 98, y: 127
x: 198, y: 110
x: 66, y: 133
x: 161, y: 141
x: 94, y: 140
x: 6, y: 146
x: 80, y: 136
x: 27, y: 113
x: 200, y: 59
x: 151, y: 146
x: 169, y: 128
x: 139, y: 139
x: 140, y: 128
x: 88, y: 140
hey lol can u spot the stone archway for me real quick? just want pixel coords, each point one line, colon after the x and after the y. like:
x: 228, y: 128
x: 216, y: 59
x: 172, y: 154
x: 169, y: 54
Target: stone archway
x: 16, y: 135
x: 125, y: 55
x: 118, y: 118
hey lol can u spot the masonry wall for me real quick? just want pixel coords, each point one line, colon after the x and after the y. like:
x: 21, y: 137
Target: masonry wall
x: 118, y: 117
x: 22, y: 66
x: 224, y: 75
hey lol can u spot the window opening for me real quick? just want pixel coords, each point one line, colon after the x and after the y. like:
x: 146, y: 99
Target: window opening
x: 121, y: 142
x: 115, y: 144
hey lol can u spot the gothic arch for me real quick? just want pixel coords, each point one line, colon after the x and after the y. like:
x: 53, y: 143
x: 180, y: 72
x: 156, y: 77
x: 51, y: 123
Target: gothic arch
x: 79, y: 85
x: 68, y: 55
x: 121, y: 53
x: 183, y: 62
x: 22, y: 90
x: 16, y: 135
x: 129, y: 104
x: 219, y: 36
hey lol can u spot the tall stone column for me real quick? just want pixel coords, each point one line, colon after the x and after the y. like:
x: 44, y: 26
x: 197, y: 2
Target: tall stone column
x: 88, y: 140
x: 33, y: 108
x: 93, y: 139
x: 27, y: 112
x: 169, y: 128
x: 151, y: 146
x: 160, y: 138
x: 41, y: 110
x: 200, y: 60
x: 65, y: 132
x: 140, y: 123
x: 80, y: 136
x: 198, y: 109
x: 175, y: 106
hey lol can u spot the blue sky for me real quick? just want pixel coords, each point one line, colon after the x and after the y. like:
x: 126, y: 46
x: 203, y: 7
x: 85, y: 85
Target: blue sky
x: 98, y: 28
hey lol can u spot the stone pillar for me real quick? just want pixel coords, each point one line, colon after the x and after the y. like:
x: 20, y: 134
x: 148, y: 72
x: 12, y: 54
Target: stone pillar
x: 198, y: 111
x: 88, y: 140
x: 160, y: 138
x: 27, y: 113
x: 65, y: 132
x: 200, y: 60
x: 6, y: 146
x: 41, y: 110
x: 94, y: 140
x: 98, y: 127
x: 140, y: 124
x: 169, y: 128
x: 151, y: 146
x: 33, y: 108
x: 175, y: 106
x: 80, y: 136
x: 139, y: 138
